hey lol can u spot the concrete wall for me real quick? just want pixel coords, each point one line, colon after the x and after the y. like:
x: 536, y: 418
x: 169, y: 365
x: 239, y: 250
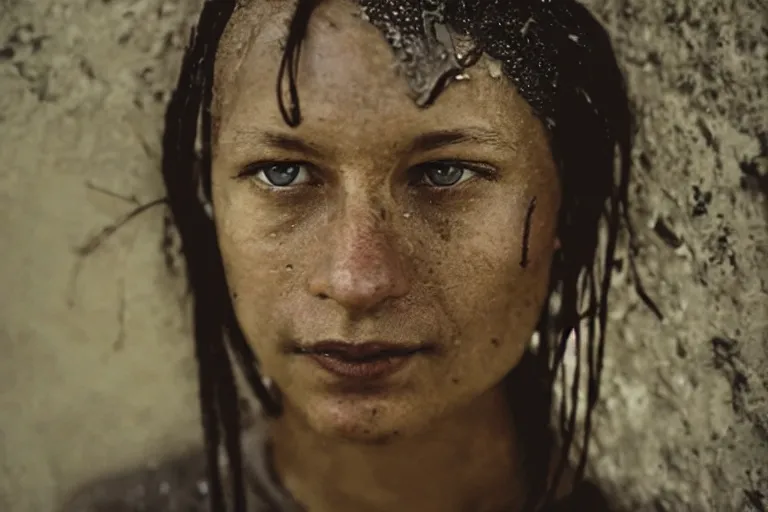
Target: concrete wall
x: 685, y: 420
x: 95, y: 366
x: 96, y: 372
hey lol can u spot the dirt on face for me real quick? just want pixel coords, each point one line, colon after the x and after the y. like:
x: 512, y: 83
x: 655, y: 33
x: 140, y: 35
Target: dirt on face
x: 96, y: 373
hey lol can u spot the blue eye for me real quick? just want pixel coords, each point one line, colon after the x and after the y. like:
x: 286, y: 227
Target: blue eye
x: 279, y: 174
x: 446, y: 175
x: 443, y: 174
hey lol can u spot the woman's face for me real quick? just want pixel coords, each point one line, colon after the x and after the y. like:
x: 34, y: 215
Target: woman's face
x: 377, y: 221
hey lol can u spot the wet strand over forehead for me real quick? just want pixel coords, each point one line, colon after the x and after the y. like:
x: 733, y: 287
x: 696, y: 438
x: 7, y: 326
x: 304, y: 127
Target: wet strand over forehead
x: 420, y: 40
x: 536, y: 42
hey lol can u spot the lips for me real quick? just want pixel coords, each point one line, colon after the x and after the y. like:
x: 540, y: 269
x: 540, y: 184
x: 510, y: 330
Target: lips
x: 360, y: 360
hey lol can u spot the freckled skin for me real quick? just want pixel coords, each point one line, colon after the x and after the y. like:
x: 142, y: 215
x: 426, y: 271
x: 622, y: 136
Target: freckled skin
x: 362, y: 253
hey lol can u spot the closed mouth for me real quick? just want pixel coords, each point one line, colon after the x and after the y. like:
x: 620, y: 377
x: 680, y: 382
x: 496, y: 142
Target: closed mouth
x: 356, y: 361
x: 360, y: 353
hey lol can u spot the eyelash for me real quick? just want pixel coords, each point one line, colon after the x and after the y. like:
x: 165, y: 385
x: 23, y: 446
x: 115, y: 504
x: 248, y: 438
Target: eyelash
x: 418, y: 172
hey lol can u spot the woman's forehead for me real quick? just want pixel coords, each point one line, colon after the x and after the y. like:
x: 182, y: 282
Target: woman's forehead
x: 349, y: 75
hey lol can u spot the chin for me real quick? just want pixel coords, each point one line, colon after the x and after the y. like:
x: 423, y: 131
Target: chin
x: 368, y: 419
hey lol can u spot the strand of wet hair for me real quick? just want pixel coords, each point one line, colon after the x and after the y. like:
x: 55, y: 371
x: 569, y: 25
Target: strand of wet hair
x: 227, y: 398
x: 621, y: 126
x: 606, y: 92
x: 218, y: 394
x: 178, y: 157
x: 571, y: 318
x: 289, y: 63
x: 248, y: 364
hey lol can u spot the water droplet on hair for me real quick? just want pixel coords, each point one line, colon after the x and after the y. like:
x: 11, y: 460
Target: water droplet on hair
x: 535, y: 341
x: 527, y: 25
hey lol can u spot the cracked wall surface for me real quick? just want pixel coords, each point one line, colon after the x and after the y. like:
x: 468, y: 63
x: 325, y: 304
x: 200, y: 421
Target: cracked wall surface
x: 96, y: 374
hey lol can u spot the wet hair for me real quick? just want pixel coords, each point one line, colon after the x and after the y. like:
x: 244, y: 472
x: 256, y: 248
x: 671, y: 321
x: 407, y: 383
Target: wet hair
x: 560, y: 59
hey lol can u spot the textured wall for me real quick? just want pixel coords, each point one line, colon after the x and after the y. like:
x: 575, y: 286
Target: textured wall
x: 95, y: 368
x: 685, y: 420
x: 95, y: 372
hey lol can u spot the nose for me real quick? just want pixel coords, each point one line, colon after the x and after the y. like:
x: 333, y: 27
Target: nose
x: 361, y: 269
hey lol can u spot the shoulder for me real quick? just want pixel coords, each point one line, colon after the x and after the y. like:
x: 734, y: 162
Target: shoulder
x: 178, y: 484
x: 174, y: 486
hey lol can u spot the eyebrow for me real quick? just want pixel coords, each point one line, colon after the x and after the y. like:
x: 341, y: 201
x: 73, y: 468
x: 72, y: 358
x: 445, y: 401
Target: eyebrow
x: 291, y: 143
x: 439, y: 139
x: 423, y: 143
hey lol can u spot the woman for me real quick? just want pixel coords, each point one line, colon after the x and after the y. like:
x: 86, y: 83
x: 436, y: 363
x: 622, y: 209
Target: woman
x: 385, y: 233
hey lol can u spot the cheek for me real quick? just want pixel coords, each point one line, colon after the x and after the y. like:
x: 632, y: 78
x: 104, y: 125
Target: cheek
x: 248, y: 235
x: 256, y: 267
x: 492, y: 296
x: 499, y: 295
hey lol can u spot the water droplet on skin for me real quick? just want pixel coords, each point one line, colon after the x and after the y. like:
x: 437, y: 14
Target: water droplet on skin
x: 494, y: 68
x: 406, y: 215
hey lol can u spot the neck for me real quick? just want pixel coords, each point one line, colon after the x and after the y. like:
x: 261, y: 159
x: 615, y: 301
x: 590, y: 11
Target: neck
x: 467, y: 460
